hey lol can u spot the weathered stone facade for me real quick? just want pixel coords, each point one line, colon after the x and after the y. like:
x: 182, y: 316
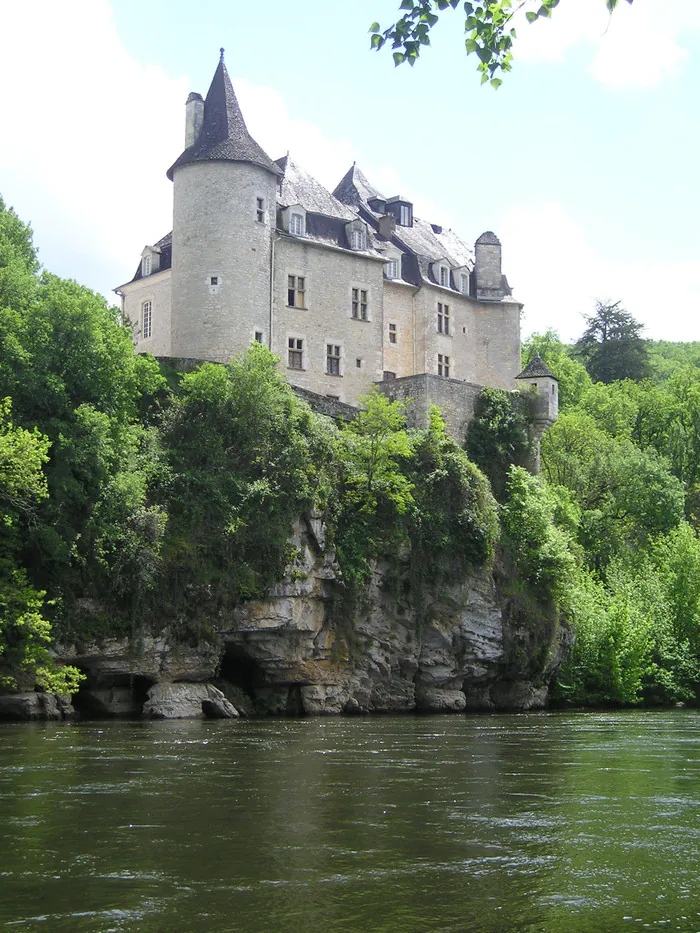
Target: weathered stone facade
x: 347, y: 289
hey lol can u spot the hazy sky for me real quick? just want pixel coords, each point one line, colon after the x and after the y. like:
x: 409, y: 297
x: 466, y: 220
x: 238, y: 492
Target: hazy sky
x: 585, y: 162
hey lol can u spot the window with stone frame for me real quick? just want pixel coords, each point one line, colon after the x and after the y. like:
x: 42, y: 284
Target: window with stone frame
x: 391, y: 269
x: 295, y: 353
x: 296, y: 224
x: 443, y: 318
x: 296, y: 291
x: 388, y: 376
x: 392, y: 333
x: 358, y: 239
x: 258, y: 336
x: 333, y: 359
x: 260, y: 210
x: 359, y: 304
x: 443, y: 366
x: 147, y: 319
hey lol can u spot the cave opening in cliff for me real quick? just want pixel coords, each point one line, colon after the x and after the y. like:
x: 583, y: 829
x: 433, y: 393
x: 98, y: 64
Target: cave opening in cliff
x: 103, y: 696
x: 240, y: 670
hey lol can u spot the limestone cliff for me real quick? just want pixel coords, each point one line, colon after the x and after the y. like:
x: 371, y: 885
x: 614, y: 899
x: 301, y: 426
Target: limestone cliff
x: 305, y: 649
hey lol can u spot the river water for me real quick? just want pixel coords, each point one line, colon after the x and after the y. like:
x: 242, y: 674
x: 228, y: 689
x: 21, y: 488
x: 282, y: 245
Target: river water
x: 550, y: 822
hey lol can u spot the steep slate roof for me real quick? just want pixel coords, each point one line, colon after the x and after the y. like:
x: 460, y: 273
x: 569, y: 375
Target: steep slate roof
x: 427, y: 242
x: 298, y: 187
x: 536, y: 367
x: 165, y: 245
x: 224, y: 137
x: 354, y: 189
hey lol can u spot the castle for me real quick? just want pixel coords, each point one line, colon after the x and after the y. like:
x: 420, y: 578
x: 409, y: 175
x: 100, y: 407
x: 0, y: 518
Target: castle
x: 348, y: 289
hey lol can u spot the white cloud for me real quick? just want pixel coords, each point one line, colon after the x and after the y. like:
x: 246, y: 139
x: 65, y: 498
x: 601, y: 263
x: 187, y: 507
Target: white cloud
x: 88, y: 133
x: 558, y: 274
x: 639, y: 46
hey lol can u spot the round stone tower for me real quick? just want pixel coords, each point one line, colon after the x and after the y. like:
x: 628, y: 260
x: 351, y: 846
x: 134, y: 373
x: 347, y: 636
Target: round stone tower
x: 224, y: 215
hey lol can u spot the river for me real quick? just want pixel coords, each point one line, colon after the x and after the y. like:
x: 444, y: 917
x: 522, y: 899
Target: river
x: 535, y: 823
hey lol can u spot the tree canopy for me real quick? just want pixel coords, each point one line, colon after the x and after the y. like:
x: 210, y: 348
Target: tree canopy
x: 612, y: 346
x: 488, y: 28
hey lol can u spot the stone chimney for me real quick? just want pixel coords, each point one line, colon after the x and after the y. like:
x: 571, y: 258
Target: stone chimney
x: 487, y: 251
x: 387, y: 226
x: 194, y: 117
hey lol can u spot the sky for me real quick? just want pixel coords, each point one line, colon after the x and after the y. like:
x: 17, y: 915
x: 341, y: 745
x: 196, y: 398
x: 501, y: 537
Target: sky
x: 585, y: 162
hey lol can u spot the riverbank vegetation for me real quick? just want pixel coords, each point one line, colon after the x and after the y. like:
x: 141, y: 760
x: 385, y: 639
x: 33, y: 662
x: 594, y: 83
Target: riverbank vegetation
x: 132, y: 496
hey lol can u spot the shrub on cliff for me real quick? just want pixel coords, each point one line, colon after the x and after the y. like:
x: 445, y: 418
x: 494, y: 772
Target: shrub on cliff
x: 247, y: 457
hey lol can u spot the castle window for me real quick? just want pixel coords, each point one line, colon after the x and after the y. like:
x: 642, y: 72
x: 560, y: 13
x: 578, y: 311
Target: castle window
x: 358, y: 363
x: 260, y: 210
x: 391, y: 269
x: 444, y: 277
x: 443, y: 318
x: 213, y: 279
x: 359, y: 304
x: 295, y: 353
x: 405, y: 218
x: 146, y: 265
x: 296, y: 288
x: 443, y: 366
x: 358, y: 239
x: 392, y: 333
x: 388, y: 376
x: 147, y: 319
x: 333, y: 359
x: 258, y: 336
x: 464, y: 284
x: 296, y: 224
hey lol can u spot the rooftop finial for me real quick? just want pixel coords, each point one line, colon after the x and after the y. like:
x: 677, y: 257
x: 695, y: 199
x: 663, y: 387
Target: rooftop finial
x: 221, y: 56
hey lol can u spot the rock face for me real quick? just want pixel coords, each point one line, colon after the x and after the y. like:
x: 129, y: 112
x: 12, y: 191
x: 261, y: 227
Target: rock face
x: 24, y: 707
x: 302, y: 650
x: 187, y: 701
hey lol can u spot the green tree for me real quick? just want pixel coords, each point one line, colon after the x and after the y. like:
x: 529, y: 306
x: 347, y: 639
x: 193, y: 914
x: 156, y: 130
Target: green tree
x: 25, y: 634
x: 488, y: 26
x: 497, y: 436
x: 611, y: 346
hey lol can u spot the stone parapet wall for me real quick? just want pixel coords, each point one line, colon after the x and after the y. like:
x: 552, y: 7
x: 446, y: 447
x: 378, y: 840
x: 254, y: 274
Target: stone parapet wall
x: 454, y: 398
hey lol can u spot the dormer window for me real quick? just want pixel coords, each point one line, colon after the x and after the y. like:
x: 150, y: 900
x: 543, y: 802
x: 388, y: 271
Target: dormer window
x: 402, y: 210
x: 356, y: 232
x: 150, y: 260
x: 378, y: 205
x: 464, y: 283
x: 294, y: 220
x: 146, y: 265
x: 392, y: 266
x: 444, y: 277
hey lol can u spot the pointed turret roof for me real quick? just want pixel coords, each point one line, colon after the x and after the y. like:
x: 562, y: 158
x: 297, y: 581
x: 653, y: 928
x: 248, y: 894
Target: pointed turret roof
x: 536, y: 367
x: 354, y: 189
x: 224, y: 137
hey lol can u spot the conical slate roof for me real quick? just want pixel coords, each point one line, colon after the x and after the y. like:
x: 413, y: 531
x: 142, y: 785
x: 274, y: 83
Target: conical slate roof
x: 536, y: 367
x: 354, y: 189
x: 224, y: 136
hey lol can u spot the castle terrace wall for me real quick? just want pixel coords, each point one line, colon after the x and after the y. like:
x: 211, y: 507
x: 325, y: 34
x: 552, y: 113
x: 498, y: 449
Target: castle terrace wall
x: 454, y: 398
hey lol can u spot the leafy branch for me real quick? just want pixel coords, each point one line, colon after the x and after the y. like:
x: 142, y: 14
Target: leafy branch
x: 488, y: 27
